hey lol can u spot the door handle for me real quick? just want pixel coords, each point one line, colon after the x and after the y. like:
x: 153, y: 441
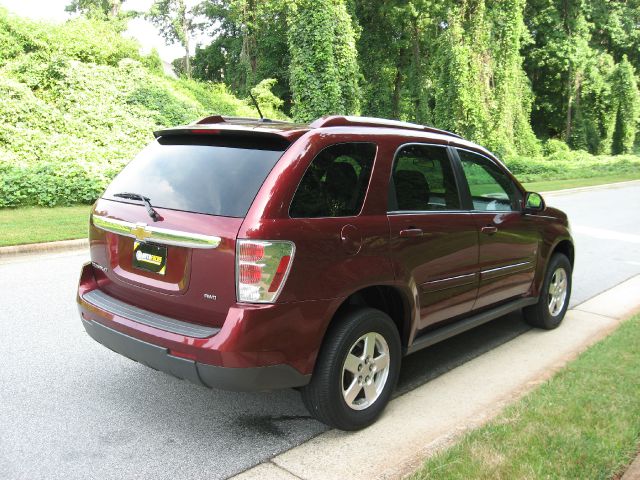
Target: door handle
x: 411, y: 232
x: 489, y: 230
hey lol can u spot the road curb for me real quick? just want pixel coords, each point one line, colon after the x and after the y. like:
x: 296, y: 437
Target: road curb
x: 633, y: 472
x: 426, y: 420
x: 604, y: 186
x: 47, y: 247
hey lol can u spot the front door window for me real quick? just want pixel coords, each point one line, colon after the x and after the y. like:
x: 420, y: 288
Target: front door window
x: 491, y: 189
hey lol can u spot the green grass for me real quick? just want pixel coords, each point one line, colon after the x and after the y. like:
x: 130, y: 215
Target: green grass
x: 550, y: 185
x: 41, y: 224
x: 583, y: 423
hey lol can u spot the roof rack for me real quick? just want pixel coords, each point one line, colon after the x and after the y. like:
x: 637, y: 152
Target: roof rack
x: 224, y: 119
x: 352, y: 121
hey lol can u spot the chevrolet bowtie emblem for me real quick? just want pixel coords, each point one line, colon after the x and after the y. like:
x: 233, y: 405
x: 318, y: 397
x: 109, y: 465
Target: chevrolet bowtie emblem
x: 140, y: 232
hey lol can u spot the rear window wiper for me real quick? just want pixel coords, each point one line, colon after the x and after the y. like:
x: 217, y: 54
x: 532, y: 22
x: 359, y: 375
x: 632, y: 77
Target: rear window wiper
x: 147, y: 203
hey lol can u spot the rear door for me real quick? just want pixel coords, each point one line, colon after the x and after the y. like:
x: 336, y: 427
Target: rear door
x: 181, y: 264
x: 434, y: 243
x: 508, y: 239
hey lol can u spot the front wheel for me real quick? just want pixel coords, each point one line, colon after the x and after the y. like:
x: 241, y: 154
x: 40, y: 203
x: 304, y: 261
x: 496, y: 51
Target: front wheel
x: 554, y: 297
x: 356, y: 371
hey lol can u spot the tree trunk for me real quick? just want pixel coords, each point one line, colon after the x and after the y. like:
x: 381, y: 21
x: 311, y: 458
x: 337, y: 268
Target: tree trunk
x: 395, y: 102
x: 186, y: 29
x: 253, y: 59
x: 248, y: 50
x: 115, y: 8
x: 417, y: 67
x: 187, y: 59
x: 569, y: 102
x: 397, y: 82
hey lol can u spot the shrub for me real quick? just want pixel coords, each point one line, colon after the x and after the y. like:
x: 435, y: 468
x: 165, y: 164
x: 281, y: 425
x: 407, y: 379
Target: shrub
x: 579, y: 164
x: 78, y: 103
x: 86, y: 40
x: 554, y: 146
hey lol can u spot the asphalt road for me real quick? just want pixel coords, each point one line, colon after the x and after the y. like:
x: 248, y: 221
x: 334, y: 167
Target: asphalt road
x: 71, y: 409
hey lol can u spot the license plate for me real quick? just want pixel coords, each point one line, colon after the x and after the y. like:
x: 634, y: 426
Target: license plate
x: 150, y: 257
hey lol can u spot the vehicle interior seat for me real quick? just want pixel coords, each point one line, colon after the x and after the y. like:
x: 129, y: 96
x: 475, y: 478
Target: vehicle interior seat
x: 412, y: 190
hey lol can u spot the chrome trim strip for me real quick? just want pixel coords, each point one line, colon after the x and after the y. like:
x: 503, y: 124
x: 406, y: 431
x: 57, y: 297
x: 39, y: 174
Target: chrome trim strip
x: 426, y: 212
x: 506, y: 270
x: 491, y: 270
x: 448, y: 279
x: 164, y: 236
x: 449, y: 282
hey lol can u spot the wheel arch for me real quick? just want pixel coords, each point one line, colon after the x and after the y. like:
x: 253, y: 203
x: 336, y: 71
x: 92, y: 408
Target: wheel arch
x: 564, y: 246
x: 386, y: 298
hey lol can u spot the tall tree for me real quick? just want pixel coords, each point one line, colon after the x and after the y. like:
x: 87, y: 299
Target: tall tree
x: 346, y: 58
x: 595, y: 119
x: 626, y: 106
x: 396, y: 50
x: 176, y: 23
x: 323, y: 67
x: 383, y: 53
x: 248, y: 51
x: 556, y: 62
x: 109, y: 9
x: 462, y: 90
x: 617, y: 28
x: 512, y: 96
x: 250, y: 44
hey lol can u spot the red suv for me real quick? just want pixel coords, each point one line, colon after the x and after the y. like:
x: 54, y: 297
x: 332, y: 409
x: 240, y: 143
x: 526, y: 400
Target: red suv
x: 244, y: 254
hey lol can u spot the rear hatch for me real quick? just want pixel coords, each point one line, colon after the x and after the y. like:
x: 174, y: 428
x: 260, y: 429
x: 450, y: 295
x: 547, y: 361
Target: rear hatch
x: 199, y: 188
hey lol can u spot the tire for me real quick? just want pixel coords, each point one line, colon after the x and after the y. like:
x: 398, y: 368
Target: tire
x: 543, y: 314
x: 371, y: 386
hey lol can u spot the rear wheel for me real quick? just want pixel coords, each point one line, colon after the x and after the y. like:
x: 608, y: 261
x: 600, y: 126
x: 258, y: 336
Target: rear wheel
x: 356, y: 371
x: 554, y: 297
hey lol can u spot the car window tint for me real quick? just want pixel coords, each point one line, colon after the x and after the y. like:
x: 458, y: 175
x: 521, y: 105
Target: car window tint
x: 491, y: 188
x: 335, y: 182
x: 423, y: 180
x: 199, y: 173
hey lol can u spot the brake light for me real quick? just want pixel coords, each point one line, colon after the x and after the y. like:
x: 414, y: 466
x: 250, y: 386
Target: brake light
x: 262, y: 267
x: 250, y: 274
x: 208, y: 131
x: 283, y: 266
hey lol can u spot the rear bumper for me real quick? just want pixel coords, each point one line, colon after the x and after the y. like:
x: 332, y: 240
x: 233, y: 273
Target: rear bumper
x: 159, y: 358
x: 259, y: 347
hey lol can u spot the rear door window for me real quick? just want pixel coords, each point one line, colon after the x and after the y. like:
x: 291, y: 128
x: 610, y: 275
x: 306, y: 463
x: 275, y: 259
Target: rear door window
x: 423, y: 180
x: 335, y: 182
x: 201, y: 174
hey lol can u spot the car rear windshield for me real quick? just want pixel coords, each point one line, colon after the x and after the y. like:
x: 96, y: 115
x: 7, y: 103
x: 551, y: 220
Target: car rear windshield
x: 198, y: 173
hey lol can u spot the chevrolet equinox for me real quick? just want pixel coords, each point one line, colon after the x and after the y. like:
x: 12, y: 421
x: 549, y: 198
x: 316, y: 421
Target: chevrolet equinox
x: 253, y: 254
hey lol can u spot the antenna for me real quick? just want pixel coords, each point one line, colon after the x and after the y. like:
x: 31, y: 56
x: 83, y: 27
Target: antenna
x: 257, y: 106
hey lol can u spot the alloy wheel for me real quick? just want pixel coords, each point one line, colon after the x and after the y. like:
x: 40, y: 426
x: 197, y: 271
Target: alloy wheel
x: 557, y: 291
x: 365, y: 371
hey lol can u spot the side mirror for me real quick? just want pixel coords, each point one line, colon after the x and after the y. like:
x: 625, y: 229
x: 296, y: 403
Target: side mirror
x: 533, y: 203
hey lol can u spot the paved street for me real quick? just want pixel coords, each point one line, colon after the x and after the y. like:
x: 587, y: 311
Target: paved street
x: 70, y: 408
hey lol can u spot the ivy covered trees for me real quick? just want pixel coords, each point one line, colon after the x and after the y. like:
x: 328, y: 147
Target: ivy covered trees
x: 625, y: 107
x: 457, y: 65
x: 324, y: 72
x: 511, y: 74
x: 579, y: 48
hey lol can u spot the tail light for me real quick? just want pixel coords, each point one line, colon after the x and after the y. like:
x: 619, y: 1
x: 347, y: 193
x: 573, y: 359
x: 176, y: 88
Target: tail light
x: 262, y: 267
